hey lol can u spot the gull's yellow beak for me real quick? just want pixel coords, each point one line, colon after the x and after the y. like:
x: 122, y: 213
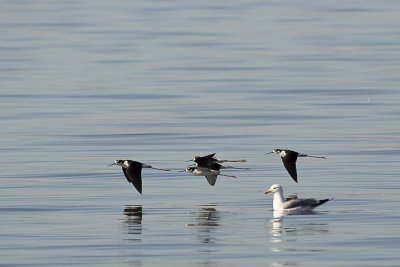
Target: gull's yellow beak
x: 268, y: 191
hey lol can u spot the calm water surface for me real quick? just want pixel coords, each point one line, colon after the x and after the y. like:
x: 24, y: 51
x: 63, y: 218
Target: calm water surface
x: 83, y: 83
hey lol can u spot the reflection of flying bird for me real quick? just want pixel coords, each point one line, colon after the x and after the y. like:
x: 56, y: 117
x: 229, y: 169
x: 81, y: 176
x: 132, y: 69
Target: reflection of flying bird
x: 133, y: 222
x: 133, y: 171
x: 134, y: 211
x: 206, y: 223
x: 210, y: 174
x: 206, y: 216
x: 294, y: 205
x: 289, y: 159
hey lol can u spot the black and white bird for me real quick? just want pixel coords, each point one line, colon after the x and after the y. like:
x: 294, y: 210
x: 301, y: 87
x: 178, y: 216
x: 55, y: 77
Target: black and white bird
x: 133, y: 171
x: 289, y: 159
x: 210, y: 162
x: 293, y: 205
x: 210, y: 174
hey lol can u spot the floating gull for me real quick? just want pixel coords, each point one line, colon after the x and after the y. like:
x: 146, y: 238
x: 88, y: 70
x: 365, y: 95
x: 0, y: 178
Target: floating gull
x: 133, y: 171
x: 294, y: 205
x: 289, y: 159
x: 211, y: 175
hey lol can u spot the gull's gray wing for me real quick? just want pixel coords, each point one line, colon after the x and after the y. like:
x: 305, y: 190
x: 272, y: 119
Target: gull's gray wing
x: 290, y: 197
x: 295, y: 203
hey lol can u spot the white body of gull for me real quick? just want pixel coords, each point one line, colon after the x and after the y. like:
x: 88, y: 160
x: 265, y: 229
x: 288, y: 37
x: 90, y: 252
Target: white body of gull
x: 293, y: 205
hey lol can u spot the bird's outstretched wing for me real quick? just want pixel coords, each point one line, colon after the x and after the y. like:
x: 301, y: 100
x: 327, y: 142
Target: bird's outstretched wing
x: 212, y: 179
x: 213, y: 166
x: 134, y: 175
x: 289, y: 161
x: 203, y: 161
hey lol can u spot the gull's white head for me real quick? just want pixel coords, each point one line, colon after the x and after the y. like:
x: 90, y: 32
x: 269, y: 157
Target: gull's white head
x: 274, y: 188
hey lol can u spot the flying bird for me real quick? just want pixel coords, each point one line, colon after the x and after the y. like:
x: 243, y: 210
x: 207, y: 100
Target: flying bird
x: 210, y: 162
x: 293, y: 205
x: 133, y: 171
x: 289, y: 159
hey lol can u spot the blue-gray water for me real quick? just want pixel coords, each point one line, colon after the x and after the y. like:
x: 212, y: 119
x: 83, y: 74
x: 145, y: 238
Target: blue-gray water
x: 83, y: 83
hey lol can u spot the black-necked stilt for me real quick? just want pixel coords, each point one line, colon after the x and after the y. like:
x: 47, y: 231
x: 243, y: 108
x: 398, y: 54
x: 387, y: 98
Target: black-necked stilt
x: 295, y: 205
x: 210, y: 162
x: 210, y: 174
x: 203, y: 161
x: 289, y: 159
x: 133, y: 171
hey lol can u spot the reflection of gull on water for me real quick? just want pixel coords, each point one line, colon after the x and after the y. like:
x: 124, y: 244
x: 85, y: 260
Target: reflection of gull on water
x: 284, y: 237
x: 293, y: 205
x: 276, y: 228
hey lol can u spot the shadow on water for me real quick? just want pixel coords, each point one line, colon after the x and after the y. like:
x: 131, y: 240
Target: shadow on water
x: 133, y: 222
x: 206, y: 223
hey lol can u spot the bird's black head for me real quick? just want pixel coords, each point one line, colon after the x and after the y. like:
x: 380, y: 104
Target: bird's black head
x: 276, y: 151
x: 125, y: 163
x: 190, y: 169
x: 118, y: 162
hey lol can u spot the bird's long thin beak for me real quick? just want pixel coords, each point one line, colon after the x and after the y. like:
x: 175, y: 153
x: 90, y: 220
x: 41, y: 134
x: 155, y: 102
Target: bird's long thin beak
x: 269, y: 153
x: 111, y: 164
x: 268, y: 191
x: 189, y: 160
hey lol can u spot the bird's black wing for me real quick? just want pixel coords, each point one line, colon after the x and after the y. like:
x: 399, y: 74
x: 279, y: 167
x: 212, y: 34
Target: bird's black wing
x: 208, y: 157
x: 320, y: 202
x: 203, y: 161
x: 134, y: 175
x: 126, y: 175
x: 214, y: 166
x: 289, y: 161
